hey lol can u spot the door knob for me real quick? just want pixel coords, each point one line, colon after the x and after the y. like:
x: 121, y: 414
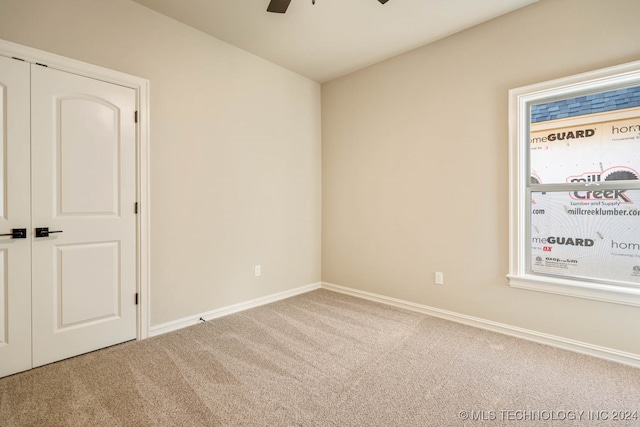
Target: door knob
x: 17, y: 233
x: 44, y: 231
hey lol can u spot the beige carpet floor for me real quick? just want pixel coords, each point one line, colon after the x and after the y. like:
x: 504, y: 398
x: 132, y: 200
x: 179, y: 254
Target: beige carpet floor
x: 325, y: 359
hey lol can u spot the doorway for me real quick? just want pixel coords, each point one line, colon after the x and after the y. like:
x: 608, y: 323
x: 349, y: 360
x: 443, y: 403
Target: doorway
x: 73, y: 250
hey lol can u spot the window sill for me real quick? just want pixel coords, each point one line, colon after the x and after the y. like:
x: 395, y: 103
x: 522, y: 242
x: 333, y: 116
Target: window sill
x: 574, y: 288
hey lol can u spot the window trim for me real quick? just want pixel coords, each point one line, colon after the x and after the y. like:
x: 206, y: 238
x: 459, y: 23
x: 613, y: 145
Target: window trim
x: 520, y: 100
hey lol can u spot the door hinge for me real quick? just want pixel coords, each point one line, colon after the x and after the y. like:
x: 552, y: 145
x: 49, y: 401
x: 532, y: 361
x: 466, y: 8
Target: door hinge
x: 135, y: 117
x: 136, y: 208
x: 137, y: 298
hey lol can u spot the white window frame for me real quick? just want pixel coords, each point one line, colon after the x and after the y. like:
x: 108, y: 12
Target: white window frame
x: 520, y: 101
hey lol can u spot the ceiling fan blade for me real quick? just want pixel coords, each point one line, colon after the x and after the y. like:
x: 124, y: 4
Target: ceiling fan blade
x: 279, y: 6
x: 383, y: 1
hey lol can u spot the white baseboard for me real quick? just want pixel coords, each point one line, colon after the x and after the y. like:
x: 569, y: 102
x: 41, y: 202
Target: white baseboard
x: 514, y: 331
x: 224, y: 311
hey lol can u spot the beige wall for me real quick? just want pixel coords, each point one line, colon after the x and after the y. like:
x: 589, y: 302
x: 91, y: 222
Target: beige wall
x: 235, y: 150
x: 415, y: 167
x: 414, y: 159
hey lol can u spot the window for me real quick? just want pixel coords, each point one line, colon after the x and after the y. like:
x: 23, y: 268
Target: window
x: 575, y: 185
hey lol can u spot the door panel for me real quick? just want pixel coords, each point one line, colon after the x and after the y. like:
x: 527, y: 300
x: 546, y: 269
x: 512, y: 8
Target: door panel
x: 83, y: 184
x: 89, y: 144
x: 95, y: 263
x: 15, y: 254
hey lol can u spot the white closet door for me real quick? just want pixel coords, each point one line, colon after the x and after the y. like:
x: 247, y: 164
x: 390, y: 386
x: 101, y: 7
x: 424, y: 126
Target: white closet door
x: 84, y: 191
x: 15, y: 254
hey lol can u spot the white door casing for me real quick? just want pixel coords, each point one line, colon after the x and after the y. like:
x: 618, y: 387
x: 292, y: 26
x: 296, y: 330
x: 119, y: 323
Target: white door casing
x: 83, y: 181
x: 15, y: 254
x: 67, y: 324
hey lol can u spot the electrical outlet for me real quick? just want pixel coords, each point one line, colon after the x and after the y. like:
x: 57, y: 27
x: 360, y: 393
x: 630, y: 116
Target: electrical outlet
x: 258, y: 270
x: 439, y: 278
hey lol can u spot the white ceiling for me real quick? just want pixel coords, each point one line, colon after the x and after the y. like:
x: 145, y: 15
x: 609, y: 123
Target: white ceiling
x: 332, y: 37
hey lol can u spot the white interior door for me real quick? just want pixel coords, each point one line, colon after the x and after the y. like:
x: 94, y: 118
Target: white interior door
x: 15, y: 254
x: 84, y: 190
